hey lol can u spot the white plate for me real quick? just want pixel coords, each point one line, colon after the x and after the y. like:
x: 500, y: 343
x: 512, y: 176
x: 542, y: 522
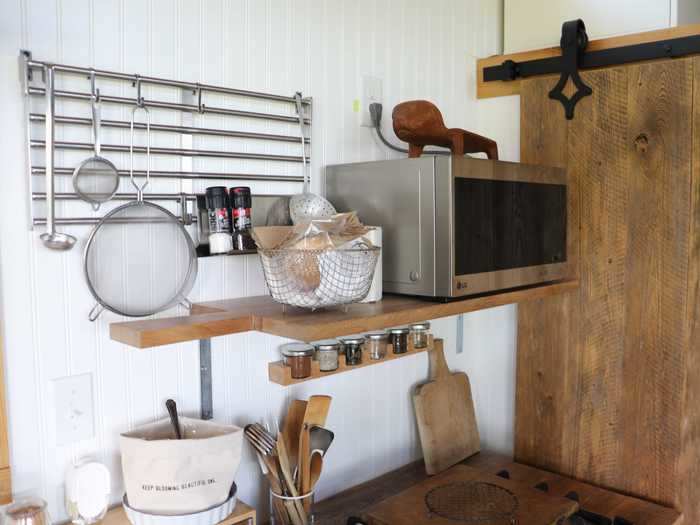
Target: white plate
x: 210, y: 516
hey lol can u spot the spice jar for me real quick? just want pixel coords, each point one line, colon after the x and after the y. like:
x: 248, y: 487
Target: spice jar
x: 419, y: 334
x: 327, y: 354
x: 241, y: 213
x: 399, y: 339
x: 298, y: 356
x: 376, y: 345
x: 352, y: 345
x: 219, y: 220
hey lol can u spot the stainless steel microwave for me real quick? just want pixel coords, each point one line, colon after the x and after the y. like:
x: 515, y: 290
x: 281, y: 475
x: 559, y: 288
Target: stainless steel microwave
x: 456, y: 226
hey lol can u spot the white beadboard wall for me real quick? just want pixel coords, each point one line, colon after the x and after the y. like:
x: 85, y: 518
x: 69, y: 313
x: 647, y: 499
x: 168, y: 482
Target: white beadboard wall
x: 419, y: 49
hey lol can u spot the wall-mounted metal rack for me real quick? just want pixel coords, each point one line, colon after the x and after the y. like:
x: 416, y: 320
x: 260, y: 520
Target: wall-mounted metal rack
x: 35, y: 83
x: 34, y: 77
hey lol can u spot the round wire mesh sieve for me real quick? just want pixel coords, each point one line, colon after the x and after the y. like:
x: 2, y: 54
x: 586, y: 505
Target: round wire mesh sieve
x: 319, y: 278
x: 96, y: 180
x: 473, y: 502
x: 140, y: 260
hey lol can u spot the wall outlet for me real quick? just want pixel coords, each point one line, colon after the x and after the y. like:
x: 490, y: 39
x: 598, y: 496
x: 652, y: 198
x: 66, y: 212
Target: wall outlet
x: 371, y: 92
x: 74, y: 408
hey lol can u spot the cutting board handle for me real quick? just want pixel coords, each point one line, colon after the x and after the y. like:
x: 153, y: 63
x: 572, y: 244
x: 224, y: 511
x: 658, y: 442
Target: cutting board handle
x: 438, y: 365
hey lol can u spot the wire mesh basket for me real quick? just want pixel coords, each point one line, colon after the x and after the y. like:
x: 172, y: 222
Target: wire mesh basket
x: 319, y: 278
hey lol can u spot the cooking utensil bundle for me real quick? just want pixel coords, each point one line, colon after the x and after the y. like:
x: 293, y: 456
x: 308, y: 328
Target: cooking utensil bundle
x: 292, y: 459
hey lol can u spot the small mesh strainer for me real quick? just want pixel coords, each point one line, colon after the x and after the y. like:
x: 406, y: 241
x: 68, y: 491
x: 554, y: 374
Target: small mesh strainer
x: 473, y: 502
x: 139, y: 259
x: 96, y: 179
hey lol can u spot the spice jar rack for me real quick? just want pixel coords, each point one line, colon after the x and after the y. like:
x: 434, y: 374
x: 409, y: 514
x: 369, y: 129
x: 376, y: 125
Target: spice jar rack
x: 281, y: 374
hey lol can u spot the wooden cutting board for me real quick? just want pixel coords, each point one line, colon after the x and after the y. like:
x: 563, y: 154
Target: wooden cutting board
x: 445, y: 414
x: 534, y: 507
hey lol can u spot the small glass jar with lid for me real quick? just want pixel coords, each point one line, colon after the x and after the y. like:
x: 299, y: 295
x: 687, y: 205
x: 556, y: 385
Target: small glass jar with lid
x: 399, y: 339
x: 352, y: 346
x: 297, y: 356
x: 327, y: 354
x: 419, y: 334
x: 376, y: 345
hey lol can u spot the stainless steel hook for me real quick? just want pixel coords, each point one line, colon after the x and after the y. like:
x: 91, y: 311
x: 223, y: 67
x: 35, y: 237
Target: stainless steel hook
x: 200, y: 105
x: 139, y: 97
x: 93, y: 89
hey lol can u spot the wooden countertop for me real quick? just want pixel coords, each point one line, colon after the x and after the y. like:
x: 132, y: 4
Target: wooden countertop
x: 355, y: 501
x: 261, y: 313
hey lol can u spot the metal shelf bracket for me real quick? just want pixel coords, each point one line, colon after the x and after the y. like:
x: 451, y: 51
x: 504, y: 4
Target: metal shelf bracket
x: 205, y: 382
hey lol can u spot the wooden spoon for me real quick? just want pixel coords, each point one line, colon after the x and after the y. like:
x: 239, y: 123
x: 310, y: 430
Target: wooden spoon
x: 291, y: 430
x: 316, y: 467
x: 316, y: 412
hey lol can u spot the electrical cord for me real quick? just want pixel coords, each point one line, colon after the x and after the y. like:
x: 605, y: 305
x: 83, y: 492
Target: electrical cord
x: 375, y: 113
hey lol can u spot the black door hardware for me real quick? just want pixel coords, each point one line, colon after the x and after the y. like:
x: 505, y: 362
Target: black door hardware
x: 669, y: 48
x: 573, y: 43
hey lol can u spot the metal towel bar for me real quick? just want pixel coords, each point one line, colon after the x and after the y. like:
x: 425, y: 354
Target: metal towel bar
x: 188, y: 130
x: 85, y: 146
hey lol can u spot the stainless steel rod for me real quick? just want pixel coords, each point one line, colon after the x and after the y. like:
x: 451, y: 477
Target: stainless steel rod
x: 40, y: 196
x: 191, y: 108
x: 171, y: 151
x: 94, y: 220
x: 164, y: 82
x: 205, y: 175
x: 36, y: 117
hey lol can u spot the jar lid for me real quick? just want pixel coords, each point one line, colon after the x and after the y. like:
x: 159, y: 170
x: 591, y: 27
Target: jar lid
x: 399, y: 330
x: 376, y: 336
x: 297, y: 350
x: 327, y: 344
x: 425, y: 325
x: 353, y: 339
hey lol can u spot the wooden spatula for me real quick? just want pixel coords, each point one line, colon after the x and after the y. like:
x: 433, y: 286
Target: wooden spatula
x: 291, y: 429
x: 316, y: 412
x: 445, y: 415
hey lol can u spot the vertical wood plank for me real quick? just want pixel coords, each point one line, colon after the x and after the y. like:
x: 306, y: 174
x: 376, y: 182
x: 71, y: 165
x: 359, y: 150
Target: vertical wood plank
x: 659, y: 149
x: 546, y: 349
x: 598, y: 166
x: 688, y: 495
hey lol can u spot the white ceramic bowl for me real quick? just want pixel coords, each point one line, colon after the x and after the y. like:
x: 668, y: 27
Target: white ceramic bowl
x: 210, y: 516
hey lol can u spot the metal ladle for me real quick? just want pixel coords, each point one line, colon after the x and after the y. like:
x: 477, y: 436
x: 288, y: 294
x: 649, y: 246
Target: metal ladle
x: 304, y: 207
x: 52, y: 239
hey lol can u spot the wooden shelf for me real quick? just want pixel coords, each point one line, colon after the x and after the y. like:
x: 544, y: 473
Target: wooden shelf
x: 281, y: 374
x: 261, y: 313
x: 242, y: 515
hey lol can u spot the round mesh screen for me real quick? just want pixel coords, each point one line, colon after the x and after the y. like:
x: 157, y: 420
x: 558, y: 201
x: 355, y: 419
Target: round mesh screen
x: 473, y: 502
x: 140, y: 260
x: 96, y: 180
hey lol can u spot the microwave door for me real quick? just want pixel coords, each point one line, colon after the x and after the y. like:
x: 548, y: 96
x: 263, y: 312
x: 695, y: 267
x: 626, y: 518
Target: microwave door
x: 507, y: 232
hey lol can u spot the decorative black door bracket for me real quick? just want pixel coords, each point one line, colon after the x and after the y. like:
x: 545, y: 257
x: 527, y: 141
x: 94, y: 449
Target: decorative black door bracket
x: 574, y: 58
x: 573, y: 43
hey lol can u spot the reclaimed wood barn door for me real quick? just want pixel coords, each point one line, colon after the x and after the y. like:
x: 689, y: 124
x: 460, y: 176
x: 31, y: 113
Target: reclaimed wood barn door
x: 608, y: 376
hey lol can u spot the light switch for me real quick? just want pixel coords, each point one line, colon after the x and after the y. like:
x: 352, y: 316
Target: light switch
x: 74, y: 408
